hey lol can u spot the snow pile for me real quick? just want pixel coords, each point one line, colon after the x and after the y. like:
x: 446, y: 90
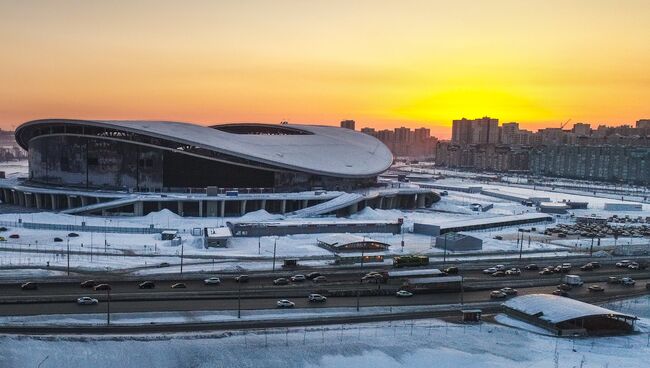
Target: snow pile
x: 259, y: 215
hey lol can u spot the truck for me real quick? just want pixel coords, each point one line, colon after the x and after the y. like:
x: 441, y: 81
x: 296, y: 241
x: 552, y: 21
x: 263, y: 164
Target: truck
x: 573, y: 280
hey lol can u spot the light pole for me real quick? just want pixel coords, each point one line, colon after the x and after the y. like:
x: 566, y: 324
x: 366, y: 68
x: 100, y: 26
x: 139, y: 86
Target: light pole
x: 181, y: 256
x: 275, y: 243
x: 108, y: 306
x: 68, y: 257
x: 444, y: 255
x: 239, y: 299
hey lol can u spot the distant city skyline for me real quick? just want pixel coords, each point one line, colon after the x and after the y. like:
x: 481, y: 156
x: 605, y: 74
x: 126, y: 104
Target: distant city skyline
x: 383, y: 64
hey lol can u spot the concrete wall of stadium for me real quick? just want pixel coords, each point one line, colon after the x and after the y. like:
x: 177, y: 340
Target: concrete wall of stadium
x: 197, y: 207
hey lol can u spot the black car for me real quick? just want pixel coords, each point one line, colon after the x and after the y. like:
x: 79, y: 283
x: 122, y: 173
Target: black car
x: 29, y: 286
x: 242, y: 278
x: 313, y: 275
x: 532, y: 267
x: 102, y: 287
x: 451, y: 270
x: 587, y: 267
x: 146, y: 285
x: 163, y: 264
x: 73, y: 235
x: 88, y: 284
x: 58, y: 239
x: 559, y: 292
x: 281, y: 281
x: 14, y: 236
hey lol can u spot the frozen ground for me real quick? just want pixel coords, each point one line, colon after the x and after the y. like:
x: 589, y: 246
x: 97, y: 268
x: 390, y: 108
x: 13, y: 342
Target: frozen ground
x: 412, y: 344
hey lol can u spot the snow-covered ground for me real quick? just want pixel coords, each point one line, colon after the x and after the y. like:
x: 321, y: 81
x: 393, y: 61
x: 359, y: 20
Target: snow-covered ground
x: 412, y: 344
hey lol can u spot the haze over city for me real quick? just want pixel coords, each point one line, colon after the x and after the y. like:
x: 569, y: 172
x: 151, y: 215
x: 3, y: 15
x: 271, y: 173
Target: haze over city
x: 384, y: 64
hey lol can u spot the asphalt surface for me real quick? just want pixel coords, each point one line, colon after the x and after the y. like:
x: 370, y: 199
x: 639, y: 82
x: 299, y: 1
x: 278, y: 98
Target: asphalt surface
x: 260, y: 293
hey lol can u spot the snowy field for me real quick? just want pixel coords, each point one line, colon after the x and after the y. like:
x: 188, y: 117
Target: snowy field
x: 412, y: 344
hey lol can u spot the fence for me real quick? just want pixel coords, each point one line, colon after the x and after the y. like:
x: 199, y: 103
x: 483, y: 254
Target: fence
x: 83, y: 227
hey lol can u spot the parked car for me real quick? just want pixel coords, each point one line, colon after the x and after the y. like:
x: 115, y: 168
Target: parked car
x: 404, y: 294
x: 317, y: 298
x: 163, y: 264
x: 284, y: 303
x: 509, y: 291
x: 86, y: 300
x: 627, y: 281
x: 596, y: 288
x: 451, y: 270
x: 313, y: 275
x: 319, y: 279
x: 14, y: 236
x: 498, y: 237
x: 88, y: 284
x: 281, y: 281
x: 497, y: 294
x: 29, y: 286
x: 489, y: 271
x: 73, y: 235
x: 179, y: 285
x: 532, y: 267
x: 212, y: 281
x: 58, y: 240
x: 146, y: 285
x: 2, y: 238
x: 242, y: 278
x: 101, y: 287
x: 298, y: 278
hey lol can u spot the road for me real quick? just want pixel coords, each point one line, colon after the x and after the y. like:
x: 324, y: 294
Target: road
x: 59, y: 297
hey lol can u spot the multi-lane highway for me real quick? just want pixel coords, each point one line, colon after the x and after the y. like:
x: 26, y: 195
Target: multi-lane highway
x: 260, y: 293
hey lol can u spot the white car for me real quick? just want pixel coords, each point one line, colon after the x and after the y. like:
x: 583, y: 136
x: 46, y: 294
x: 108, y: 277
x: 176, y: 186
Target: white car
x: 500, y: 267
x: 86, y: 300
x: 212, y: 281
x: 284, y: 303
x: 508, y: 291
x: 624, y: 263
x: 489, y: 271
x: 298, y: 278
x: 633, y: 266
x: 317, y: 298
x: 498, y: 294
x: 404, y: 293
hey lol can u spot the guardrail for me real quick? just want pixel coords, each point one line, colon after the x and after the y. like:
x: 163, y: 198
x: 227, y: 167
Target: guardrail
x: 83, y: 227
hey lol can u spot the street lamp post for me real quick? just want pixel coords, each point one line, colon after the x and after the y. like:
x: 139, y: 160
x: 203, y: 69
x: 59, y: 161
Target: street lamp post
x: 108, y: 306
x: 68, y: 257
x: 238, y: 299
x: 444, y: 255
x: 275, y: 244
x: 182, y: 248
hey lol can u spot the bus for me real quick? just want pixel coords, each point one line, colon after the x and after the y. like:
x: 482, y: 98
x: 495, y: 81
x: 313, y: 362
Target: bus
x: 410, y: 261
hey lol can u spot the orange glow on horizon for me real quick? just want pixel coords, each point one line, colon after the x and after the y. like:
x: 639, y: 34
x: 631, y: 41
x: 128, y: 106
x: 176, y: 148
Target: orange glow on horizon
x: 382, y: 63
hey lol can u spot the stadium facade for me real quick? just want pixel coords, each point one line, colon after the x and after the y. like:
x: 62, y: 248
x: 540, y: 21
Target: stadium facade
x: 153, y: 156
x: 101, y: 167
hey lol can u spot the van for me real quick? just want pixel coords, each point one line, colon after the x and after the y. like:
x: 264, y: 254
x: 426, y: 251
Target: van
x: 573, y: 280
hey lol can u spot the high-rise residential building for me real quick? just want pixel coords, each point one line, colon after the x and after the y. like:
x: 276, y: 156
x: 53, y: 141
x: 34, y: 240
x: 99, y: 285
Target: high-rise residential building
x: 581, y: 129
x: 509, y: 133
x: 478, y: 131
x: 348, y: 124
x: 643, y: 124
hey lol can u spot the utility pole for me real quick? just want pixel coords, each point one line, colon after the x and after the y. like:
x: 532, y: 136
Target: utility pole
x: 591, y: 248
x: 444, y: 255
x: 68, y: 256
x: 182, y: 257
x: 462, y: 289
x: 521, y: 245
x: 275, y: 244
x: 108, y: 306
x: 259, y: 245
x: 239, y: 299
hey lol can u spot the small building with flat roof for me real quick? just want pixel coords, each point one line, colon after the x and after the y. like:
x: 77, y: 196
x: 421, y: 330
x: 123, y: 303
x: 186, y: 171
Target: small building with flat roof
x: 564, y: 316
x: 217, y: 236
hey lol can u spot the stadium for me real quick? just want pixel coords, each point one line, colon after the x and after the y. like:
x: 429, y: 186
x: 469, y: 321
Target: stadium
x: 169, y: 156
x: 104, y: 167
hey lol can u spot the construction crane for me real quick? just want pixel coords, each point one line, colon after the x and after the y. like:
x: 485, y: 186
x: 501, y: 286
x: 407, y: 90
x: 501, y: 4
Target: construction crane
x: 565, y: 123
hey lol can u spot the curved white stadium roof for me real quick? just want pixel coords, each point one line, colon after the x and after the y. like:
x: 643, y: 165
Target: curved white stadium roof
x: 323, y: 150
x: 556, y: 309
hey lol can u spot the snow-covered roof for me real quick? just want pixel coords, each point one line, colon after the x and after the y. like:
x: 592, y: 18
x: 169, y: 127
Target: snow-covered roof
x: 412, y: 273
x: 323, y: 150
x: 492, y: 220
x: 339, y: 240
x: 219, y: 232
x: 556, y: 309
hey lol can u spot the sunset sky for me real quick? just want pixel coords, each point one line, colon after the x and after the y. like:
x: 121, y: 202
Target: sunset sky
x: 381, y: 63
